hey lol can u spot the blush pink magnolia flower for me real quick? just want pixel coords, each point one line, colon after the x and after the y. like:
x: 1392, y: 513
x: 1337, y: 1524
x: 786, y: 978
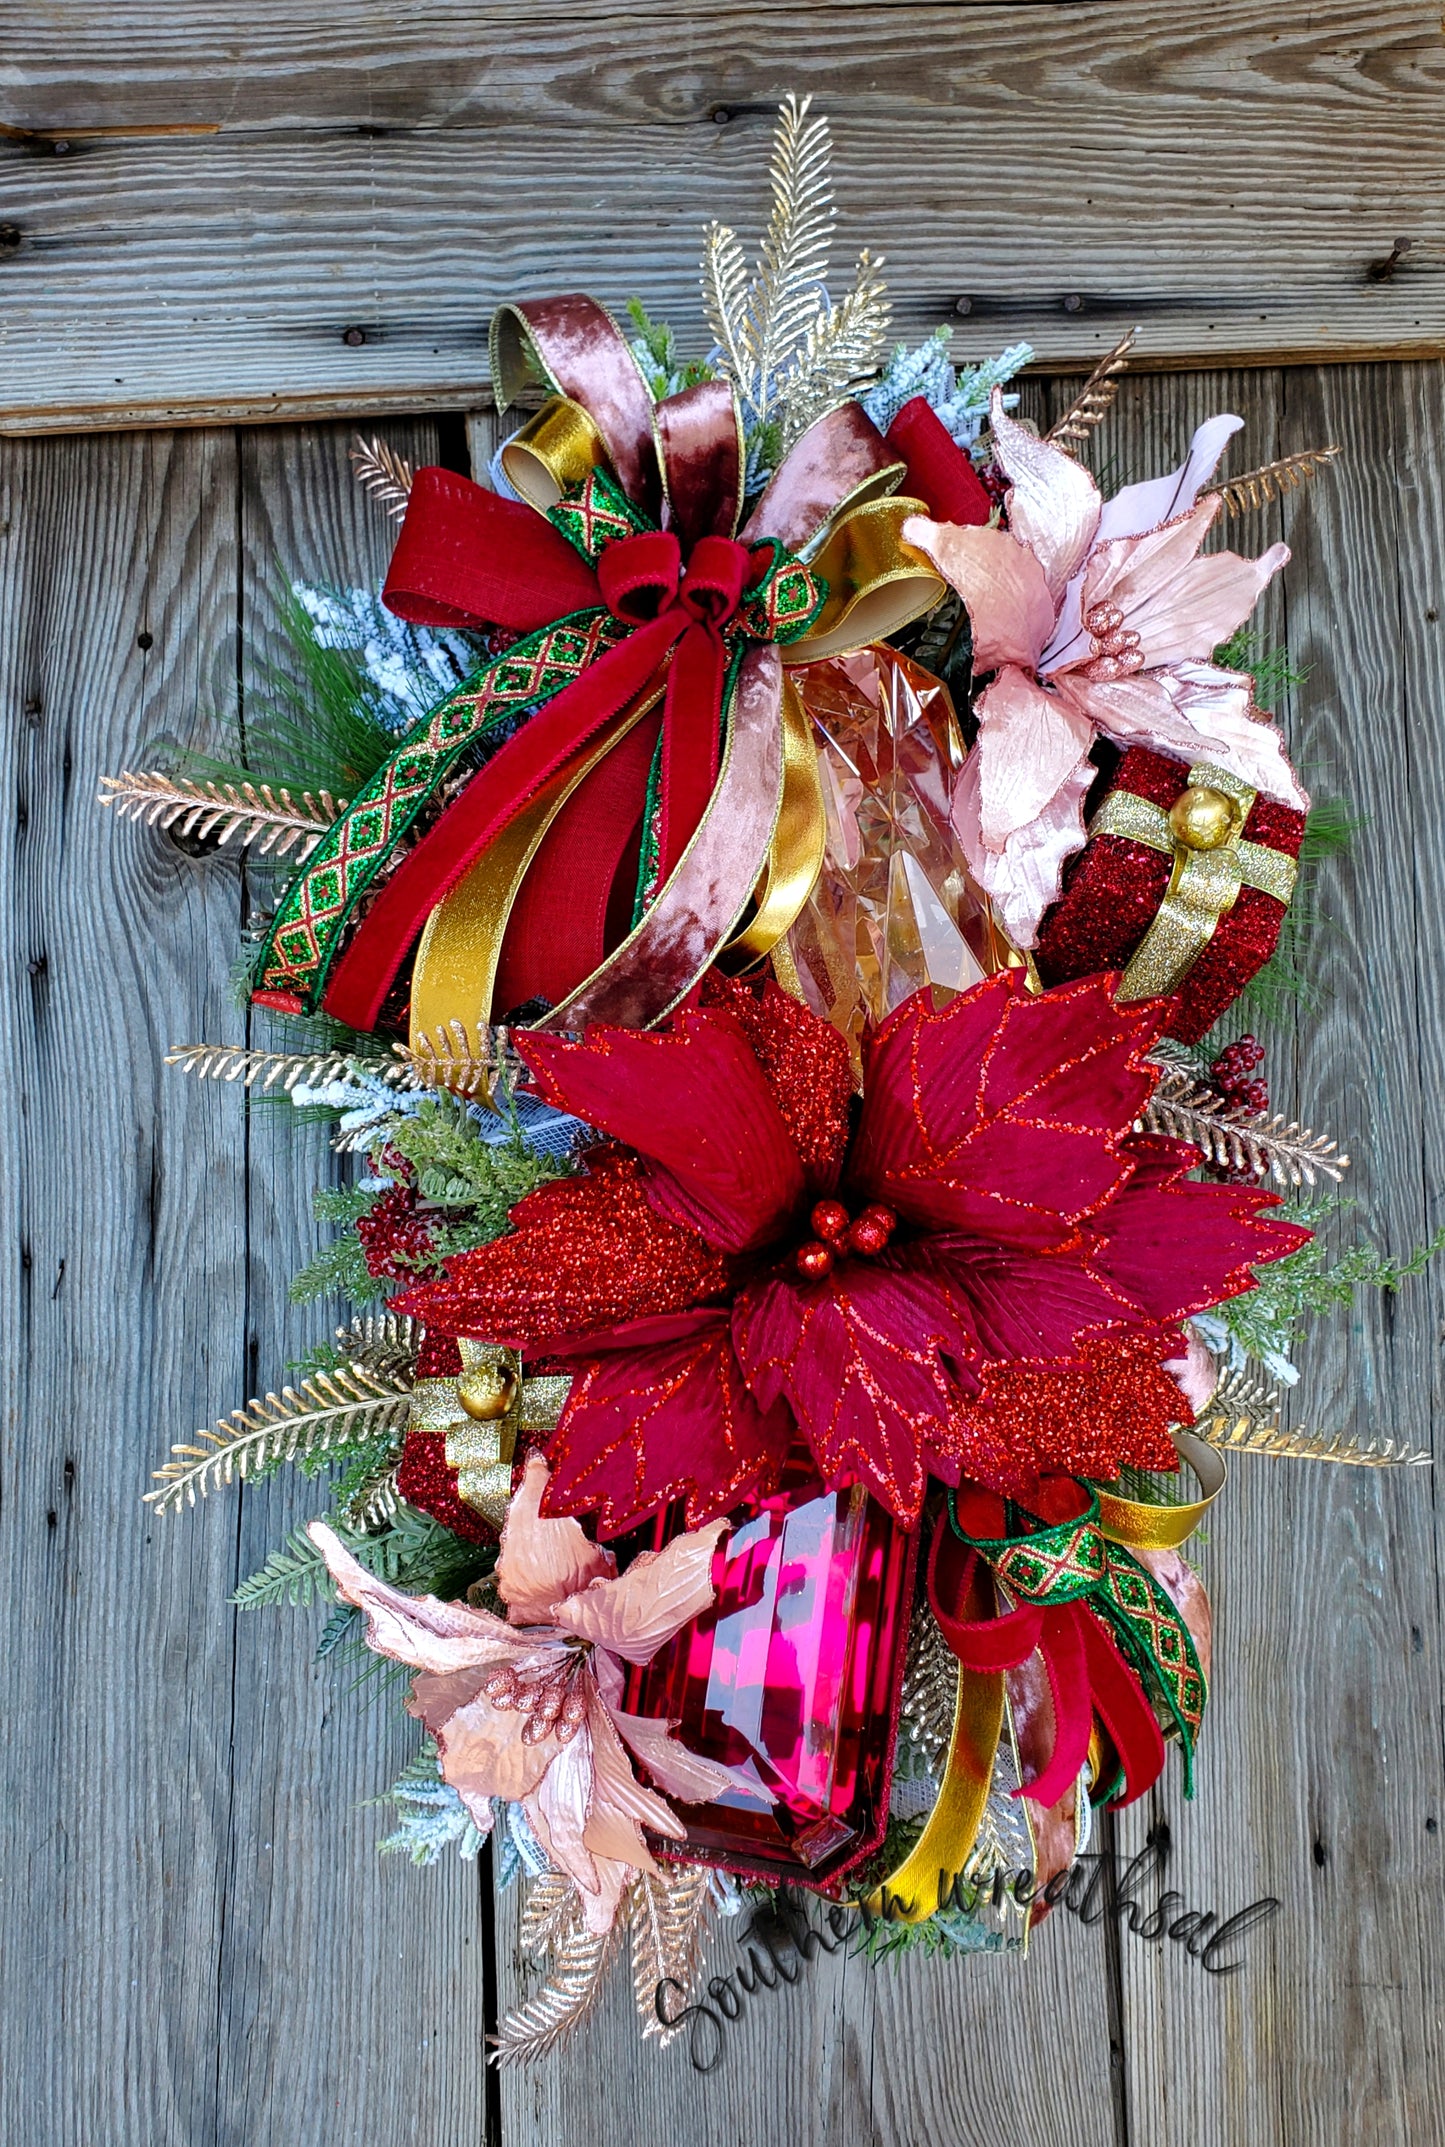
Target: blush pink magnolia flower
x: 530, y: 1708
x: 1098, y: 618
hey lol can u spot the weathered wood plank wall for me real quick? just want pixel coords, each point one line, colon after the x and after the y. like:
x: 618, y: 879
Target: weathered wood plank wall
x: 200, y: 1945
x: 208, y: 213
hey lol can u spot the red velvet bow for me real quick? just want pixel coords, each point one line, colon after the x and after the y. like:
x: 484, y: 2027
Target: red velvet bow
x: 1087, y: 1674
x: 582, y: 757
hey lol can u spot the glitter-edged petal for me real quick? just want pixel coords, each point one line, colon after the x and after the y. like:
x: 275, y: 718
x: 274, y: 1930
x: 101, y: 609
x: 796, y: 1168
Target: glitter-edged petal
x: 1008, y: 600
x: 660, y: 1410
x: 693, y: 1101
x: 542, y: 1562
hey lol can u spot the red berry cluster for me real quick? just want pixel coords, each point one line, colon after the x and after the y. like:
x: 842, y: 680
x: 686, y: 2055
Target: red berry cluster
x: 394, y: 1239
x: 840, y: 1233
x: 1235, y: 1073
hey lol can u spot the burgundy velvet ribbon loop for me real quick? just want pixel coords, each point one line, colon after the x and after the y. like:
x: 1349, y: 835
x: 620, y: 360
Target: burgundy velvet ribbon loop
x: 1087, y: 1674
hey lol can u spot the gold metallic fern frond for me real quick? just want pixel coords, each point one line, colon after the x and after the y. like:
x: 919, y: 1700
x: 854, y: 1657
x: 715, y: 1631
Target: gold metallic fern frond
x: 386, y: 475
x: 1095, y: 398
x: 1244, y: 1436
x: 254, y: 814
x: 725, y: 300
x: 1233, y: 1138
x: 468, y: 1062
x: 929, y: 1694
x: 574, y: 1982
x: 786, y: 296
x: 668, y: 1913
x: 1257, y: 487
x: 309, y: 1419
x: 1243, y: 1418
x: 761, y: 325
x: 284, y: 1069
x: 843, y: 347
x: 385, y: 1342
x: 375, y: 1499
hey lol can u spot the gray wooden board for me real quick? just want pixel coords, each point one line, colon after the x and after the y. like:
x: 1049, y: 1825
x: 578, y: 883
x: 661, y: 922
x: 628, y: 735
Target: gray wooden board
x: 206, y: 1948
x: 196, y: 210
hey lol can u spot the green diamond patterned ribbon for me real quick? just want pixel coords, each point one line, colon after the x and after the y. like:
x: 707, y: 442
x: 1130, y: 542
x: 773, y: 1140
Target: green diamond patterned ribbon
x: 1073, y: 1561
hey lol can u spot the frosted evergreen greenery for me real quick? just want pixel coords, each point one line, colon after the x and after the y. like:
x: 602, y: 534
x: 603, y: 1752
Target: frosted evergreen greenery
x: 410, y: 667
x: 960, y: 399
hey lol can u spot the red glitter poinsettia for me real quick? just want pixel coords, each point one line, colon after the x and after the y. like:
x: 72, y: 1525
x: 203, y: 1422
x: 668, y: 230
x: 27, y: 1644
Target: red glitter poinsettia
x: 983, y: 1276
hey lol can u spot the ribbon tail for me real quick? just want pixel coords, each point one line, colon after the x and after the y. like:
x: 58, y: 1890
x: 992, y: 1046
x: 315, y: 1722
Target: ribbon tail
x: 508, y: 783
x: 980, y: 1642
x: 795, y: 857
x: 1123, y: 1709
x: 699, y: 906
x: 691, y: 727
x: 1066, y: 1660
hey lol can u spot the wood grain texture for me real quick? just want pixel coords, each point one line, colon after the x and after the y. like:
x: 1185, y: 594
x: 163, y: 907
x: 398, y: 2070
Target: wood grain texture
x: 192, y: 1951
x: 1320, y: 1775
x: 209, y: 1951
x: 1063, y: 170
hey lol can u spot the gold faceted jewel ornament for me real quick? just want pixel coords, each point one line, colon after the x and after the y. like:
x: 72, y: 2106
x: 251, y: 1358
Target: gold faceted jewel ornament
x: 1204, y: 833
x: 482, y: 1410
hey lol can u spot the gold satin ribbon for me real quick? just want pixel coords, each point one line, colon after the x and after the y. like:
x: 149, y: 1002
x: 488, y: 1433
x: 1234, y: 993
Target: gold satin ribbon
x: 917, y: 1888
x: 795, y: 856
x: 1203, y: 886
x: 876, y: 582
x: 554, y: 450
x: 1141, y: 1527
x: 455, y: 967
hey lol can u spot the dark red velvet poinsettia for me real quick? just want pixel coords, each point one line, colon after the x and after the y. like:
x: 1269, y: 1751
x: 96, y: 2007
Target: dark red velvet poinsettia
x: 982, y: 1276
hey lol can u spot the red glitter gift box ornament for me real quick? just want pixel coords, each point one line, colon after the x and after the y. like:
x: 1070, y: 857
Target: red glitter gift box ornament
x: 1183, y: 886
x: 791, y: 1677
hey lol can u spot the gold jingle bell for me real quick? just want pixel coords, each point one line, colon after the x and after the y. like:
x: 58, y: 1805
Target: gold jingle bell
x: 1202, y: 818
x: 487, y: 1391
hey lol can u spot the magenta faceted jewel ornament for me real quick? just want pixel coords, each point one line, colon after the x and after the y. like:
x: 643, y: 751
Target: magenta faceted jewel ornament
x: 791, y: 1678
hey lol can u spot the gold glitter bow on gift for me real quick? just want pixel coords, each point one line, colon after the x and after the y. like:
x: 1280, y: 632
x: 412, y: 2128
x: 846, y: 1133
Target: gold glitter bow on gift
x: 1203, y: 831
x: 481, y: 1411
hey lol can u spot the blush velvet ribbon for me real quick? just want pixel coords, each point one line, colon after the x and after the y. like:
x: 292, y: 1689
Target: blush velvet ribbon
x: 647, y: 693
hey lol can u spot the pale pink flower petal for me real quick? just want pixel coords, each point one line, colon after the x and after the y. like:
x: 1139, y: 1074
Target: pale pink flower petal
x: 543, y: 1562
x: 1023, y: 878
x: 1029, y: 745
x: 1054, y: 505
x: 633, y: 1615
x: 557, y: 1812
x: 1194, y: 712
x: 1159, y: 499
x: 414, y: 1629
x: 1180, y: 605
x: 678, y: 1772
x: 1130, y: 513
x: 1196, y: 1373
x: 620, y: 1801
x: 481, y: 1746
x: 1008, y: 601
